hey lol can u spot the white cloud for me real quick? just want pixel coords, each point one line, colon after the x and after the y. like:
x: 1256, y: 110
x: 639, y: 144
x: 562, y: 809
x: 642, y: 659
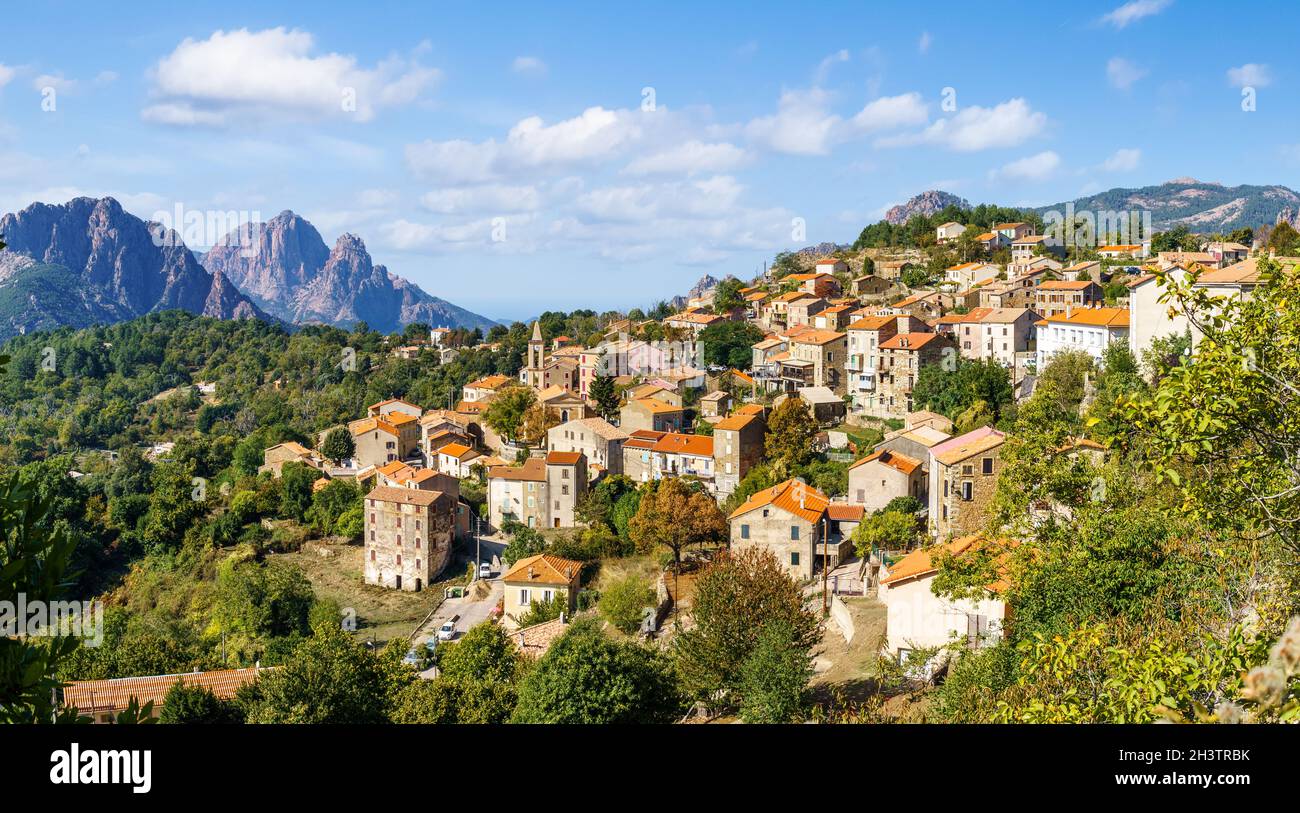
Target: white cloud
x: 1135, y: 10
x: 57, y: 81
x: 105, y: 77
x: 528, y: 64
x: 888, y: 112
x: 1250, y: 75
x: 594, y: 136
x: 492, y: 198
x: 1032, y: 168
x: 1122, y: 73
x: 275, y: 74
x: 7, y: 74
x: 689, y: 158
x: 923, y: 44
x: 824, y: 67
x: 802, y: 125
x: 978, y: 128
x: 1124, y: 160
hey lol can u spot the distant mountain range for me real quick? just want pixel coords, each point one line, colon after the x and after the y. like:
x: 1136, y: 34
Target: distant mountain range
x: 1199, y: 205
x: 89, y: 261
x: 285, y: 267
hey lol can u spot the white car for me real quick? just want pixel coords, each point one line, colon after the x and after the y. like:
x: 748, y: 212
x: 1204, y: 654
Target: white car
x: 485, y: 571
x: 448, y: 629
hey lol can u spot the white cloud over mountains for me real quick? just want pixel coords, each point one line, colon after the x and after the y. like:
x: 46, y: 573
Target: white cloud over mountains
x: 275, y: 74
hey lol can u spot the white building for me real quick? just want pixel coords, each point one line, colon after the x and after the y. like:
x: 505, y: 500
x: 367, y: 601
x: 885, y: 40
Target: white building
x: 948, y: 231
x: 918, y: 619
x: 1088, y: 329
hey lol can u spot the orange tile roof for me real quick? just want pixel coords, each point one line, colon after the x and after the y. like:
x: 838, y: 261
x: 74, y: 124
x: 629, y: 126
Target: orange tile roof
x: 914, y: 341
x: 748, y: 409
x: 1097, y: 317
x: 457, y: 450
x: 490, y: 382
x: 792, y: 496
x: 734, y: 422
x: 563, y: 458
x: 533, y: 469
x: 818, y: 337
x: 544, y: 568
x: 1066, y: 285
x: 391, y: 469
x: 116, y: 693
x: 964, y: 446
x: 655, y: 405
x: 679, y: 443
x: 414, y: 496
x: 400, y: 418
x: 388, y: 401
x: 894, y: 460
x: 872, y: 322
x: 643, y: 439
x: 840, y: 512
x: 923, y: 562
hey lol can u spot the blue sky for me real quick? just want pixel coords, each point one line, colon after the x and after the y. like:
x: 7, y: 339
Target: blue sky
x: 514, y: 157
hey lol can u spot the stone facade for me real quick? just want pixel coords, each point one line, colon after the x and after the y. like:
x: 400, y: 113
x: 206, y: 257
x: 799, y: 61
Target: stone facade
x: 409, y: 534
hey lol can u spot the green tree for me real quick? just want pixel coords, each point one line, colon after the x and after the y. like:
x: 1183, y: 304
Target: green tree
x: 790, y: 435
x: 774, y: 678
x: 506, y: 412
x: 736, y: 597
x: 34, y: 559
x: 329, y: 679
x: 730, y: 344
x: 623, y: 602
x: 603, y: 397
x: 338, y: 445
x: 673, y: 515
x: 885, y: 530
x: 586, y: 678
x: 190, y: 705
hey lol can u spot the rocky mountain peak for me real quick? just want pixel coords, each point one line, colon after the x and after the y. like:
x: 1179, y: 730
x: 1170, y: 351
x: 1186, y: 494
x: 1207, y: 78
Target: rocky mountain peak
x: 926, y: 203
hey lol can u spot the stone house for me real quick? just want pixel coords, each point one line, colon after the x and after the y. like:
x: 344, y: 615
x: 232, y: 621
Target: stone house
x: 408, y: 536
x: 963, y: 476
x: 540, y: 578
x: 883, y: 476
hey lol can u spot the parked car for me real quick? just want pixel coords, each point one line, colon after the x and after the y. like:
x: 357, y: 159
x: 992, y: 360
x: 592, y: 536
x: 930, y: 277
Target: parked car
x: 448, y: 629
x: 431, y: 645
x: 412, y: 658
x: 485, y: 571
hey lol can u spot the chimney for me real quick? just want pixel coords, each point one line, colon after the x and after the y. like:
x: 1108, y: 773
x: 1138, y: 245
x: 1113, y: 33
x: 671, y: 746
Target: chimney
x: 530, y: 572
x: 1069, y: 311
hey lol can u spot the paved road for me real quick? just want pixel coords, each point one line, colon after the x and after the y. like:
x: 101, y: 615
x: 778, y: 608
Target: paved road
x: 471, y: 611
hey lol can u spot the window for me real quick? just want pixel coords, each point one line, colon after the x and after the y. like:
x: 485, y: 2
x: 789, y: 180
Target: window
x: 372, y: 555
x: 399, y: 539
x: 523, y: 596
x: 399, y: 560
x: 794, y: 558
x: 794, y: 531
x: 547, y: 595
x: 862, y: 495
x: 967, y: 490
x: 417, y: 526
x: 988, y: 465
x: 417, y: 543
x: 564, y: 474
x: 372, y: 519
x: 744, y: 532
